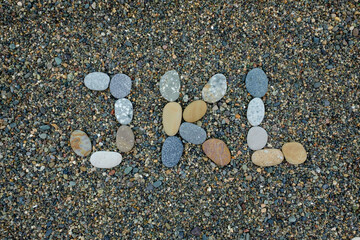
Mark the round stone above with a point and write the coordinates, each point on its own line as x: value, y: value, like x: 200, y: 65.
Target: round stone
x: 97, y: 81
x: 120, y: 85
x: 80, y: 143
x: 172, y: 115
x: 215, y: 89
x: 195, y: 111
x: 171, y: 151
x: 123, y: 111
x: 125, y: 138
x: 267, y: 157
x: 217, y: 151
x: 294, y: 152
x: 256, y: 82
x: 104, y: 159
x: 255, y: 111
x: 170, y: 85
x: 257, y: 138
x: 192, y: 133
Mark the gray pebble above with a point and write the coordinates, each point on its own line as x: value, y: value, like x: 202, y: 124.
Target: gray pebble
x: 255, y: 111
x: 170, y: 85
x: 157, y: 184
x: 43, y: 136
x: 123, y: 111
x: 257, y: 82
x: 44, y: 127
x: 127, y: 170
x: 257, y: 138
x: 171, y: 151
x: 97, y: 81
x: 120, y: 85
x: 192, y: 133
x: 58, y: 60
x: 292, y: 219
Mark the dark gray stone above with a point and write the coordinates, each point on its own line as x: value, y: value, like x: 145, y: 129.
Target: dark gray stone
x: 192, y: 133
x: 257, y: 82
x: 171, y: 151
x: 120, y: 85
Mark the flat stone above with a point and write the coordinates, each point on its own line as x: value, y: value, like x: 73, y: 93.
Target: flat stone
x: 157, y: 184
x: 294, y: 152
x: 171, y: 151
x: 215, y: 89
x: 58, y: 60
x: 267, y: 157
x: 257, y: 82
x: 172, y: 115
x: 80, y: 143
x: 120, y: 85
x: 195, y: 111
x: 97, y: 81
x: 125, y: 138
x: 192, y: 133
x: 255, y: 111
x: 105, y: 159
x: 217, y: 151
x: 170, y: 85
x: 123, y: 111
x: 257, y: 138
x: 128, y: 170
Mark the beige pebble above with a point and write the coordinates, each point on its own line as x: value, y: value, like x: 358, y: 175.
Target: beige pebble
x: 294, y: 152
x: 267, y: 157
x: 172, y: 115
x: 195, y: 111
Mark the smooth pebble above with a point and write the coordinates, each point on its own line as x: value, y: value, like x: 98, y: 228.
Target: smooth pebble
x: 80, y: 143
x: 192, y: 133
x: 257, y: 138
x: 215, y: 89
x: 217, y: 151
x: 125, y: 138
x: 267, y: 157
x: 195, y: 111
x: 120, y: 85
x: 170, y: 85
x: 172, y: 114
x: 105, y: 159
x: 171, y: 151
x: 97, y: 81
x: 294, y: 152
x: 255, y: 111
x: 123, y: 111
x: 257, y: 82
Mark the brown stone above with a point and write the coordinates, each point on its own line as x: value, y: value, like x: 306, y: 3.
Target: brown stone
x: 217, y: 151
x: 195, y: 111
x: 294, y: 152
x: 80, y: 143
x: 125, y: 138
x: 267, y: 157
x: 172, y: 115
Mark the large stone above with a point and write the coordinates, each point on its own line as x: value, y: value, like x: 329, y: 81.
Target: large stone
x: 120, y: 85
x: 195, y: 111
x: 80, y: 143
x: 257, y: 138
x: 192, y: 133
x: 170, y: 85
x: 171, y: 151
x: 215, y: 89
x: 217, y: 151
x: 104, y: 159
x: 255, y: 111
x: 172, y: 115
x: 294, y: 152
x: 125, y: 138
x: 256, y: 82
x: 123, y: 111
x: 267, y: 157
x: 97, y: 81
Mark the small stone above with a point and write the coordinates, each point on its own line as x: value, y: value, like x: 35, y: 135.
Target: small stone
x: 44, y: 127
x: 58, y: 60
x: 215, y: 89
x: 355, y: 32
x: 294, y: 152
x: 192, y: 133
x: 170, y: 85
x: 195, y: 111
x: 267, y: 157
x: 317, y: 85
x: 120, y: 85
x: 172, y: 115
x: 97, y: 81
x: 104, y: 159
x: 257, y: 138
x: 12, y: 46
x: 292, y: 219
x: 171, y: 151
x: 43, y: 136
x: 257, y: 82
x: 217, y: 151
x: 80, y: 143
x: 196, y: 231
x: 255, y: 111
x: 157, y: 184
x: 125, y: 138
x: 123, y: 111
x: 128, y: 170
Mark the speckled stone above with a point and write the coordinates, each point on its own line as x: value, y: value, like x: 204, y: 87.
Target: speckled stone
x: 120, y: 85
x: 125, y: 138
x: 171, y: 151
x: 267, y: 157
x: 80, y: 143
x: 123, y: 111
x: 172, y: 115
x: 105, y: 159
x: 256, y: 82
x: 97, y: 81
x: 257, y: 138
x: 195, y: 111
x: 294, y: 152
x: 170, y: 85
x: 215, y: 89
x: 217, y: 151
x: 255, y: 111
x: 192, y: 133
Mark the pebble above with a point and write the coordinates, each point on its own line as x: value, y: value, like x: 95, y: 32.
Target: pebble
x: 292, y: 219
x: 58, y: 60
x: 215, y: 89
x: 217, y: 151
x: 294, y: 152
x: 255, y: 111
x: 97, y: 81
x: 44, y: 127
x: 43, y: 136
x: 80, y: 143
x: 267, y: 157
x: 170, y: 85
x: 192, y: 133
x: 125, y: 138
x: 195, y: 111
x: 256, y: 82
x: 257, y: 138
x: 172, y: 115
x: 157, y: 184
x: 105, y: 159
x: 171, y: 151
x: 120, y: 85
x: 123, y: 111
x: 128, y: 170
x: 355, y: 32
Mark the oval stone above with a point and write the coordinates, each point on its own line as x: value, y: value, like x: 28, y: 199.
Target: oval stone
x: 170, y: 85
x: 120, y: 85
x: 171, y: 151
x: 195, y: 111
x: 294, y: 152
x: 267, y: 157
x: 215, y: 89
x: 217, y: 151
x: 125, y: 138
x: 256, y: 82
x: 80, y: 143
x: 105, y: 159
x: 255, y: 111
x: 257, y: 138
x: 97, y: 81
x: 192, y: 133
x: 123, y: 111
x: 172, y: 115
